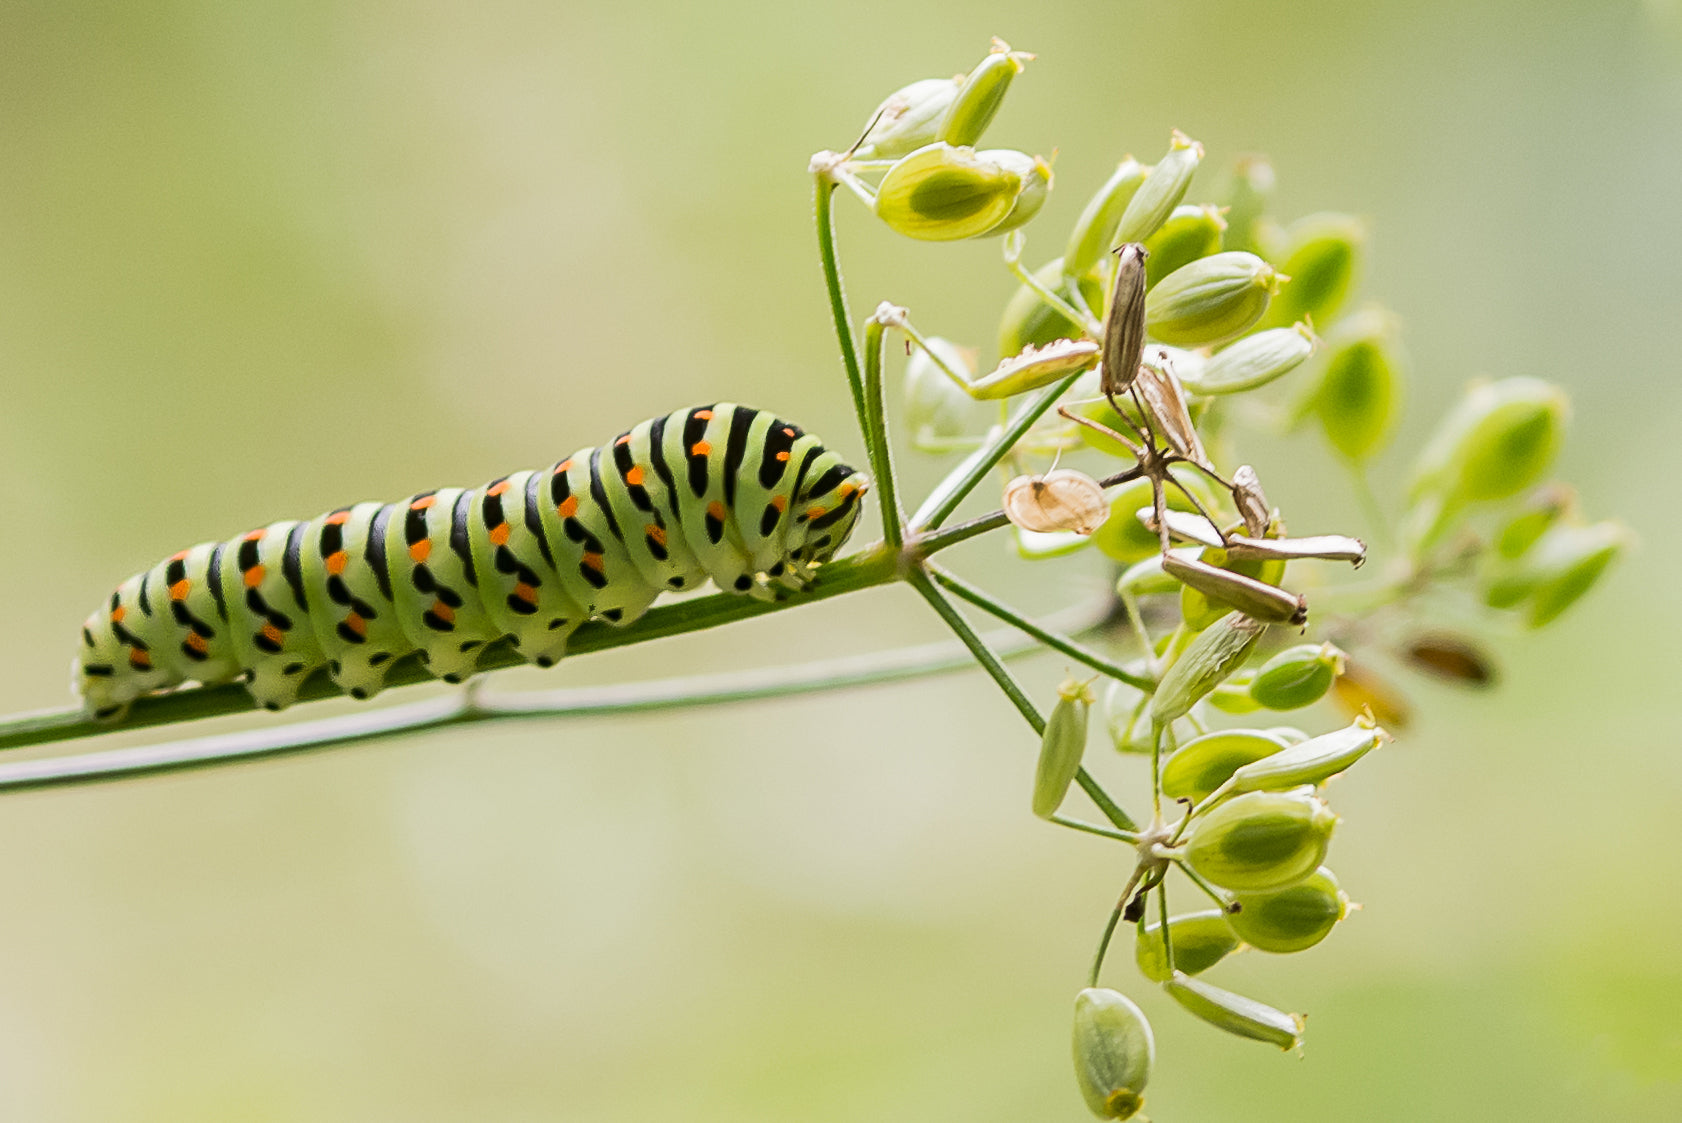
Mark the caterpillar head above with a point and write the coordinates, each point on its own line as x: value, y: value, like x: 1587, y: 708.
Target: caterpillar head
x: 826, y: 509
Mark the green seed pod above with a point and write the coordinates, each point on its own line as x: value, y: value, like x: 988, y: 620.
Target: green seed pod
x: 1161, y: 192
x: 1215, y: 654
x: 1289, y: 734
x: 1541, y: 509
x: 908, y: 119
x: 1210, y: 301
x: 1236, y: 1014
x: 1062, y: 747
x: 1094, y: 231
x: 1566, y: 564
x: 1261, y: 840
x: 1201, y: 940
x: 1297, y: 677
x: 1247, y: 226
x: 1114, y: 1051
x: 1496, y: 442
x: 1357, y: 397
x: 1321, y: 255
x: 941, y: 193
x: 1258, y: 599
x: 980, y: 95
x: 1191, y: 232
x: 1287, y: 920
x: 1254, y: 361
x: 1233, y: 695
x: 937, y: 408
x: 1036, y: 185
x: 1204, y: 763
x: 1314, y: 761
x: 1036, y: 367
x: 1029, y: 321
x: 1143, y: 578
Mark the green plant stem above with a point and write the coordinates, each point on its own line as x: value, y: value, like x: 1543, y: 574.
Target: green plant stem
x: 1162, y: 917
x: 1198, y: 880
x: 1087, y: 322
x: 471, y: 706
x: 875, y: 424
x: 1056, y: 642
x: 990, y: 663
x: 1094, y: 828
x: 838, y: 294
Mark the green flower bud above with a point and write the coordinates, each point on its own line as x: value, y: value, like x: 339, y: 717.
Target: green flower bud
x: 1036, y: 367
x: 1236, y: 1014
x: 1321, y: 254
x: 1029, y: 321
x: 941, y: 193
x: 1162, y: 190
x: 1247, y: 225
x: 1358, y: 395
x: 1036, y: 185
x: 1254, y: 361
x: 1095, y: 230
x: 1498, y: 441
x: 1061, y: 747
x: 908, y: 119
x: 1262, y: 839
x: 981, y: 94
x: 1204, y: 763
x: 1210, y: 301
x: 1297, y: 677
x: 1191, y: 232
x: 1201, y: 940
x: 1566, y: 564
x: 1294, y: 919
x: 1541, y: 510
x: 1215, y: 654
x: 1114, y: 1051
x: 1126, y: 719
x: 1314, y: 761
x: 936, y: 407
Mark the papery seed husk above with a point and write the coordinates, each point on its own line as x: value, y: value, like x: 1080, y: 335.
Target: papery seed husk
x: 1063, y: 499
x: 1267, y: 603
x: 1159, y: 389
x: 1451, y: 658
x: 1252, y: 504
x: 1036, y: 367
x: 1328, y: 547
x: 1124, y: 326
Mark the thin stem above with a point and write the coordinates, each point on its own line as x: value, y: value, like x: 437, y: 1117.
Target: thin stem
x: 1104, y: 942
x: 838, y: 294
x: 1162, y: 915
x: 875, y: 423
x: 1087, y: 322
x: 1094, y: 828
x: 470, y: 707
x: 936, y: 541
x: 1073, y: 650
x: 953, y: 490
x: 1198, y: 880
x: 1370, y: 506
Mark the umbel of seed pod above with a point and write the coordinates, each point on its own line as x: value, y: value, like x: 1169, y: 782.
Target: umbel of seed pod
x: 1261, y: 840
x: 1114, y: 1051
x: 1063, y: 499
x: 942, y: 192
x: 1288, y: 920
x: 1061, y: 747
x: 1212, y: 300
x: 1201, y: 940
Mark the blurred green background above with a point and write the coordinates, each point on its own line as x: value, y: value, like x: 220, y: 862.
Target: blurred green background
x: 257, y: 260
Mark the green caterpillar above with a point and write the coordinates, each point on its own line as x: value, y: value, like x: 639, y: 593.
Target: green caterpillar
x: 722, y: 492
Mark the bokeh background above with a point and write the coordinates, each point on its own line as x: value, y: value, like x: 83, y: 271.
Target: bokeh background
x: 260, y: 259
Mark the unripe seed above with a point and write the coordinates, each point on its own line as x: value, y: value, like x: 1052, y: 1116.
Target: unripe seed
x: 1114, y: 1051
x: 1236, y: 1014
x: 1061, y: 747
x: 942, y: 193
x: 908, y: 119
x: 1215, y: 654
x: 1262, y: 839
x: 1063, y: 499
x: 1542, y: 509
x: 1201, y: 940
x: 981, y: 94
x: 1254, y: 361
x: 1095, y: 231
x: 1162, y: 190
x: 1297, y: 677
x: 1498, y: 441
x: 1191, y: 232
x: 1314, y: 761
x: 1357, y: 398
x: 1568, y: 561
x: 1288, y: 920
x: 1210, y: 301
x: 1321, y: 255
x: 1204, y: 763
x: 1036, y: 367
x: 1029, y: 321
x: 1036, y: 185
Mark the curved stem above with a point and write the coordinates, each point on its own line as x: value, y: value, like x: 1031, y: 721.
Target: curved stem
x: 875, y: 422
x: 824, y: 203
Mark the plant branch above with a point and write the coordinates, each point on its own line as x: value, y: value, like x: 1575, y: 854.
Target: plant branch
x: 838, y: 298
x: 875, y: 424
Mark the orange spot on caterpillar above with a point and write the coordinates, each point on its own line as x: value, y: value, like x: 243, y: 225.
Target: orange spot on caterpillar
x: 253, y: 535
x: 624, y: 439
x: 444, y: 612
x: 655, y: 534
x: 595, y: 562
x: 254, y: 576
x: 274, y: 635
x: 355, y: 623
x: 496, y: 489
x: 139, y: 660
x: 197, y: 642
x: 788, y: 432
x: 782, y: 457
x: 563, y: 466
x: 847, y: 490
x: 704, y: 414
x: 179, y: 590
x: 634, y: 476
x: 337, y: 561
x: 814, y: 512
x: 499, y: 534
x: 338, y: 518
x: 700, y: 448
x: 423, y: 503
x: 118, y: 613
x: 568, y: 508
x: 421, y: 550
x: 179, y: 556
x: 526, y: 593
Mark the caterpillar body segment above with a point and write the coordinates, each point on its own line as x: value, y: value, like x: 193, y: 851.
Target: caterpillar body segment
x: 720, y: 492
